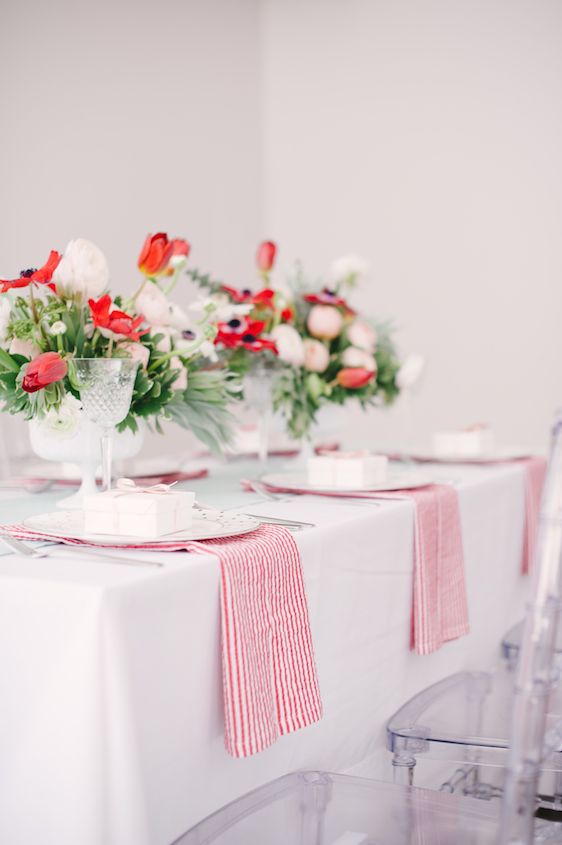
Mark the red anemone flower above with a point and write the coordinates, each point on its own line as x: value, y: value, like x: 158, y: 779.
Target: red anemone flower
x: 245, y: 334
x: 329, y: 297
x: 116, y: 322
x: 42, y: 276
x: 43, y: 371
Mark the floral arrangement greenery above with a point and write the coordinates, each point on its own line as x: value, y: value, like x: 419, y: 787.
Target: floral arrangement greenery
x: 63, y: 310
x: 320, y: 350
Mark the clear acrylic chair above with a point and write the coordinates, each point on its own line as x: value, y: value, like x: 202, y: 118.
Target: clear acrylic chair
x: 511, y: 645
x: 316, y: 808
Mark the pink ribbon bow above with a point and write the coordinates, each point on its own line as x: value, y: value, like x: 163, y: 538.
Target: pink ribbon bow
x: 127, y: 485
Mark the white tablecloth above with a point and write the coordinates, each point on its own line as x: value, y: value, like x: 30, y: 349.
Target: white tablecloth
x: 111, y: 730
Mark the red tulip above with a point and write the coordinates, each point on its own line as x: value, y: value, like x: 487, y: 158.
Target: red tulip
x: 44, y: 370
x: 265, y: 257
x: 157, y: 252
x: 180, y: 247
x: 115, y: 322
x: 354, y: 377
x: 42, y: 276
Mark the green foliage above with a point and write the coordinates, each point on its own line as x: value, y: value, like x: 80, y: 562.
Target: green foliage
x: 204, y: 281
x: 203, y: 407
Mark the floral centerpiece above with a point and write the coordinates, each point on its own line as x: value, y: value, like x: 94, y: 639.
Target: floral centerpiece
x: 64, y: 310
x: 319, y: 349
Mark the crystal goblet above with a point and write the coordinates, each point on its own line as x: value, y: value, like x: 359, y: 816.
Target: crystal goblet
x: 106, y: 390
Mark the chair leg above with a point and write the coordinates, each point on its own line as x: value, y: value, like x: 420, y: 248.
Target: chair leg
x: 403, y: 766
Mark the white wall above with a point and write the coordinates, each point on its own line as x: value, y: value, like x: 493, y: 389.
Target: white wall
x: 124, y: 117
x: 118, y: 118
x: 426, y: 136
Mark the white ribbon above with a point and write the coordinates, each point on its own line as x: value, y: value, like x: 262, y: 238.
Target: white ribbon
x: 125, y: 486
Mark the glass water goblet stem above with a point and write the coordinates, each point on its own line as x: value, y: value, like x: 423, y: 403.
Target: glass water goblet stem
x: 106, y: 457
x: 264, y: 425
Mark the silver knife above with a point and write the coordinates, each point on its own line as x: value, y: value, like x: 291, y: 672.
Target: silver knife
x: 21, y: 548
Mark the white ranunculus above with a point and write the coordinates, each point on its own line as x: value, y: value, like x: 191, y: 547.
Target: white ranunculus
x: 289, y: 345
x: 362, y: 335
x: 348, y: 266
x: 410, y: 371
x: 24, y: 347
x: 324, y: 321
x: 316, y: 356
x: 58, y: 328
x: 178, y: 318
x: 153, y: 304
x: 65, y: 419
x: 223, y: 309
x: 5, y: 312
x: 165, y: 342
x: 354, y: 357
x: 82, y: 270
x: 209, y: 350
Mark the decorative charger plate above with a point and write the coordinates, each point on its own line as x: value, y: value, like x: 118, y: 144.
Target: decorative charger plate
x: 206, y: 526
x: 497, y: 455
x: 297, y: 482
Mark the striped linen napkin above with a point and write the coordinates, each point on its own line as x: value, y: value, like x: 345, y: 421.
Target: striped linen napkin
x: 270, y: 685
x: 535, y: 473
x: 439, y: 602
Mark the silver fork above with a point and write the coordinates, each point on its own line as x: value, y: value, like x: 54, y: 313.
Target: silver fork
x: 22, y: 549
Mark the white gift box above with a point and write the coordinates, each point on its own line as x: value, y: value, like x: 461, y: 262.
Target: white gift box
x: 141, y: 512
x: 470, y: 443
x: 348, y: 470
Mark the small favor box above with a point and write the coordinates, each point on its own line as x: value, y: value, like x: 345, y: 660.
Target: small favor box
x: 139, y: 513
x: 347, y: 470
x: 468, y: 443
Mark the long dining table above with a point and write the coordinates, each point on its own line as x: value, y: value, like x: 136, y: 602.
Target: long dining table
x: 110, y: 674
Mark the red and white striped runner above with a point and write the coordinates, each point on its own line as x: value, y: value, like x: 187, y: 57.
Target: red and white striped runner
x: 270, y: 686
x: 535, y: 473
x: 270, y: 683
x: 439, y: 602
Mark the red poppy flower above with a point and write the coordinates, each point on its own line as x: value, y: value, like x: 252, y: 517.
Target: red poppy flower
x: 157, y: 252
x: 328, y: 297
x: 238, y: 296
x: 44, y: 370
x: 287, y: 315
x: 354, y: 377
x: 265, y: 256
x: 247, y: 296
x: 264, y: 297
x: 116, y: 322
x: 244, y: 334
x: 42, y: 276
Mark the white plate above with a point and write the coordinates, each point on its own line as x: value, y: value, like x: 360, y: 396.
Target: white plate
x: 211, y: 527
x: 131, y: 467
x: 298, y: 482
x: 506, y: 454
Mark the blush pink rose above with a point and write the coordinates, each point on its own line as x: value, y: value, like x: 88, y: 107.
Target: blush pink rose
x: 354, y: 357
x: 181, y: 381
x: 362, y: 335
x: 316, y: 356
x: 325, y: 322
